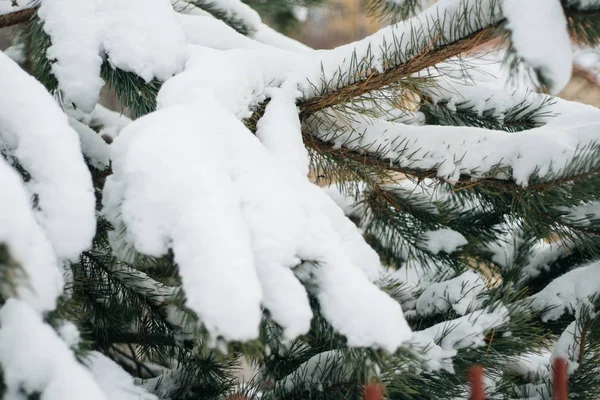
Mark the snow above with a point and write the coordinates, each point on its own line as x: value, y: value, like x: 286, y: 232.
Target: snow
x: 459, y: 294
x: 543, y: 254
x: 142, y: 36
x: 441, y: 341
x: 446, y: 240
x: 568, y: 292
x: 34, y: 359
x: 568, y: 346
x: 139, y: 36
x: 238, y: 219
x: 269, y: 36
x: 77, y: 59
x: 210, y: 32
x: 92, y: 145
x: 543, y: 42
x: 280, y: 132
x: 48, y: 148
x: 532, y: 366
x: 110, y: 122
x: 235, y: 9
x: 10, y: 6
x: 69, y: 333
x: 234, y: 88
x: 474, y: 151
x: 171, y: 188
x: 27, y: 244
x: 113, y: 380
x: 321, y: 370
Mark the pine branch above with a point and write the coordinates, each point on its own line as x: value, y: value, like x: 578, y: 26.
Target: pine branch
x: 17, y: 17
x: 428, y: 57
x: 580, y: 27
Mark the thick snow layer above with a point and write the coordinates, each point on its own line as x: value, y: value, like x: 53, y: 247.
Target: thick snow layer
x: 446, y: 240
x: 234, y: 88
x: 16, y: 53
x: 459, y: 294
x: 48, y: 148
x: 568, y: 292
x: 34, y: 359
x: 210, y: 32
x: 142, y: 36
x: 75, y: 48
x: 238, y: 220
x: 27, y: 244
x: 171, y: 188
x: 475, y: 151
x: 139, y: 36
x: 544, y: 41
x: 113, y: 380
x: 280, y: 132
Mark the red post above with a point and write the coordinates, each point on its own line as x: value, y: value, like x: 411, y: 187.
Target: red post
x: 374, y: 391
x: 476, y: 379
x: 560, y: 381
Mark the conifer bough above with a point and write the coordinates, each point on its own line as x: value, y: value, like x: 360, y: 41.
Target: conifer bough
x: 145, y: 251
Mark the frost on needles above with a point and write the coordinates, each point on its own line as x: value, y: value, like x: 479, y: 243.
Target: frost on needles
x: 394, y: 210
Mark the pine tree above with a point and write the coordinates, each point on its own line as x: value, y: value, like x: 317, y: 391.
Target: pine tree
x: 144, y: 251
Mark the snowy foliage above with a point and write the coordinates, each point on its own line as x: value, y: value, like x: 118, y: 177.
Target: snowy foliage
x: 463, y: 215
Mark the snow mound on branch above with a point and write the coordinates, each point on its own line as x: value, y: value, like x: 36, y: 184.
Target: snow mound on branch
x: 35, y: 359
x: 141, y: 36
x: 280, y: 132
x: 544, y: 41
x: 193, y: 178
x: 459, y: 294
x: 114, y: 381
x: 27, y: 244
x: 446, y: 240
x: 569, y: 292
x: 441, y: 341
x: 455, y: 150
x: 49, y: 150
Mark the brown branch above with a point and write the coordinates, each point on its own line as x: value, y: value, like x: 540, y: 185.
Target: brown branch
x: 376, y: 80
x: 17, y: 17
x: 464, y: 182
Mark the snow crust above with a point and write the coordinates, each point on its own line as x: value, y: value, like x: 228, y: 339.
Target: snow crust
x: 49, y: 149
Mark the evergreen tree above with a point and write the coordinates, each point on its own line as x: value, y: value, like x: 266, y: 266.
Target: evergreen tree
x: 142, y: 257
